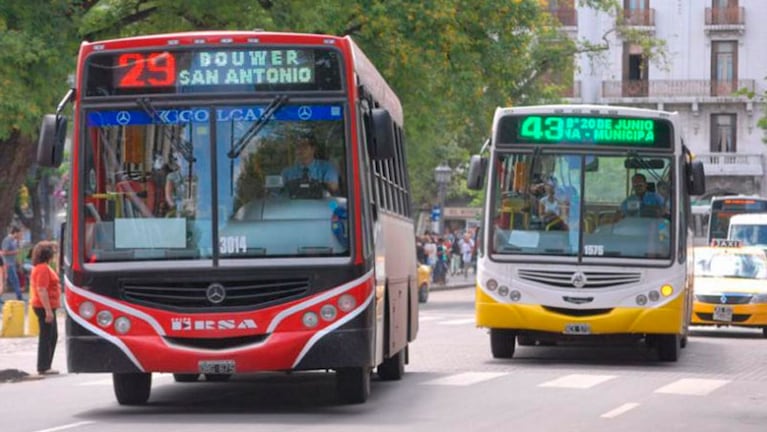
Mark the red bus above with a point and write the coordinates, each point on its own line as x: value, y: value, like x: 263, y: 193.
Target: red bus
x: 239, y: 203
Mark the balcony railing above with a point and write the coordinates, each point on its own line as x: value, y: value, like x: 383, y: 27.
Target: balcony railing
x: 639, y: 17
x: 731, y: 164
x: 567, y: 16
x: 726, y: 16
x: 675, y: 88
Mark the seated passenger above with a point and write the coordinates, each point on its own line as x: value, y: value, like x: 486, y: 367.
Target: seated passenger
x: 551, y: 210
x: 307, y: 168
x: 642, y: 203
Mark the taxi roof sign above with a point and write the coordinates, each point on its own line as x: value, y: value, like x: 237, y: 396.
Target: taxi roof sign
x: 725, y: 243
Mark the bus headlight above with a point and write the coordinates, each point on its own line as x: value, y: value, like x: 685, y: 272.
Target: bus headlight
x: 328, y: 312
x: 87, y: 310
x: 515, y: 295
x: 122, y: 325
x: 104, y: 318
x: 310, y: 320
x: 641, y: 299
x: 503, y: 290
x: 492, y: 284
x: 346, y: 302
x: 653, y: 296
x: 666, y: 290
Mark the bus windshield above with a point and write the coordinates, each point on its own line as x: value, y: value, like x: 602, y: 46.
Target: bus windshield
x: 570, y: 204
x: 157, y: 176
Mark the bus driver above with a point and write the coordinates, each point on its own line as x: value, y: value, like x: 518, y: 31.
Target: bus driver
x: 642, y: 203
x: 307, y: 167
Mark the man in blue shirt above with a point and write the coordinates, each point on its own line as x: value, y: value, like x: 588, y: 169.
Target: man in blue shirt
x: 10, y: 251
x: 642, y: 203
x: 308, y: 168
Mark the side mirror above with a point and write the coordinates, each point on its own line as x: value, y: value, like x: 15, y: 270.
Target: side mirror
x: 696, y: 178
x: 477, y: 168
x: 50, y: 146
x: 381, y: 140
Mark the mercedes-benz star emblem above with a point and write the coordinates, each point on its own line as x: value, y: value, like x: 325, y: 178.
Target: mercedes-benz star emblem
x: 216, y: 293
x: 123, y: 118
x: 578, y: 279
x: 304, y: 112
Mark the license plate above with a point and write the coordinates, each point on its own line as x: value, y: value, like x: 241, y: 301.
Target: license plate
x: 722, y: 313
x: 217, y: 367
x: 578, y: 329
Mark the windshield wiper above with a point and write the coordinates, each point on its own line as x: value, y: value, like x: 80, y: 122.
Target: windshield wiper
x: 257, y: 125
x: 177, y: 142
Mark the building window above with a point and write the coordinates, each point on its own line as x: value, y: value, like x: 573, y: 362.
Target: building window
x: 637, y: 12
x: 723, y: 139
x: 635, y: 79
x: 724, y: 67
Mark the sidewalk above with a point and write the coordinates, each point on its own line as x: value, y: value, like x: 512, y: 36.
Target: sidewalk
x: 455, y: 282
x: 18, y: 355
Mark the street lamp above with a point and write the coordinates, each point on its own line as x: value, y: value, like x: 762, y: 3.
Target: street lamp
x: 442, y: 174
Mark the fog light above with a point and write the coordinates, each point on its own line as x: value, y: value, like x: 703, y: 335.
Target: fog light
x: 328, y: 312
x: 503, y: 290
x: 641, y: 300
x: 492, y: 284
x: 653, y: 295
x: 87, y: 310
x: 515, y: 295
x: 310, y: 320
x: 666, y: 290
x: 104, y: 318
x: 347, y: 302
x: 122, y: 325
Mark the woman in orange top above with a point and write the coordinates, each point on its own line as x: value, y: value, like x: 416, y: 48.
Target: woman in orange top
x: 45, y: 282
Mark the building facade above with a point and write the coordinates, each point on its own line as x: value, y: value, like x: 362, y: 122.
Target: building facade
x: 717, y: 49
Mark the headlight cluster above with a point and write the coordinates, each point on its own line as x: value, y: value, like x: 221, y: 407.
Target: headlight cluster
x: 329, y: 312
x: 503, y: 290
x: 104, y: 318
x: 654, y: 295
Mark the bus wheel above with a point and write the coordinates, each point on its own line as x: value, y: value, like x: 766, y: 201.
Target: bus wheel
x: 668, y: 347
x: 353, y: 384
x: 217, y: 377
x: 423, y: 293
x: 185, y: 378
x: 502, y: 343
x: 525, y: 340
x: 393, y: 368
x: 132, y: 388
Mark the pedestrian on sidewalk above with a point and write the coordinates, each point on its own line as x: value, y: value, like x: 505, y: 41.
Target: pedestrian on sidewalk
x: 45, y: 282
x: 10, y: 253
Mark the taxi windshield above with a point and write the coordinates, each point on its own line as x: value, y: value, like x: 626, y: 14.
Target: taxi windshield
x: 730, y: 265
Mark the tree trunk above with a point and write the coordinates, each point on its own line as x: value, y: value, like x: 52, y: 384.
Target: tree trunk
x: 17, y: 154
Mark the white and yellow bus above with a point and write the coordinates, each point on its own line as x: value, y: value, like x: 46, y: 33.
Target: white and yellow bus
x: 585, y: 227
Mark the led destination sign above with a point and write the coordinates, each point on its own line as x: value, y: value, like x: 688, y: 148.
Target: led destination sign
x: 574, y: 129
x: 195, y: 70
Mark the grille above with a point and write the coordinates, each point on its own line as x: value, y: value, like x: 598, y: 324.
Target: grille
x: 192, y: 294
x: 217, y: 344
x: 593, y: 279
x: 578, y: 312
x: 731, y: 299
x: 710, y: 317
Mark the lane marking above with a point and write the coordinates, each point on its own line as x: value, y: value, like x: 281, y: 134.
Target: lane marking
x: 578, y: 381
x: 466, y: 378
x: 692, y: 386
x: 620, y: 410
x: 458, y: 321
x: 66, y: 426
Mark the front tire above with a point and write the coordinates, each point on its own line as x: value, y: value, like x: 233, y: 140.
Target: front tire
x: 668, y: 347
x: 132, y: 388
x: 502, y: 343
x: 393, y: 368
x: 353, y: 384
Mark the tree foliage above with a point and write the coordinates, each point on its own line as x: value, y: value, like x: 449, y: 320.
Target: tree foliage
x: 452, y: 62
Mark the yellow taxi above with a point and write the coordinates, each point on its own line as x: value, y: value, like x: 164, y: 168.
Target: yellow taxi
x: 424, y: 282
x: 730, y: 286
